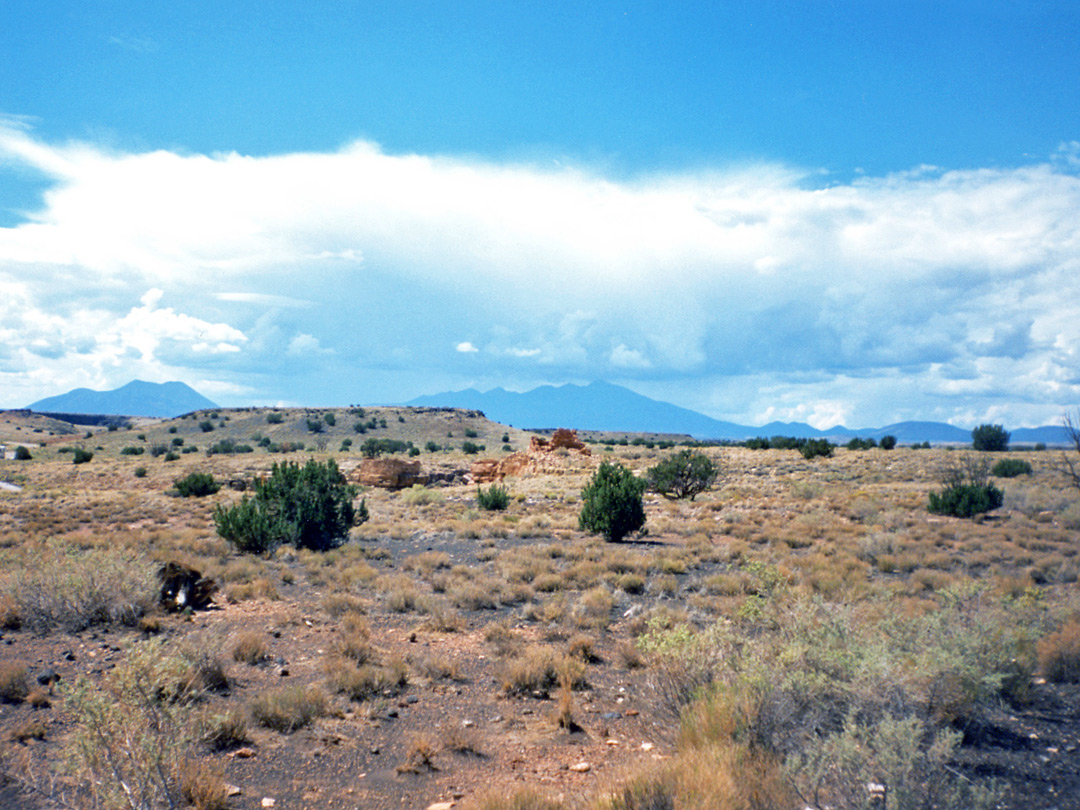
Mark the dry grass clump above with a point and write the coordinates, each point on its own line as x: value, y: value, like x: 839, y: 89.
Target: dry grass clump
x: 461, y: 740
x: 28, y: 730
x: 419, y: 755
x: 288, y: 708
x: 14, y: 682
x: 56, y: 585
x: 260, y: 589
x: 520, y: 799
x: 202, y: 785
x: 223, y: 730
x: 366, y: 681
x: 250, y: 648
x: 1059, y: 654
x: 538, y: 670
x: 336, y: 604
x: 437, y: 667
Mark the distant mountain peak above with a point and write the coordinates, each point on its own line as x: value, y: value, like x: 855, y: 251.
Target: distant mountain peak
x: 136, y: 398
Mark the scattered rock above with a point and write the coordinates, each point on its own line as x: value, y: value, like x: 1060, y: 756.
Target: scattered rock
x: 581, y: 767
x: 440, y: 806
x: 268, y: 802
x: 611, y: 742
x: 647, y: 746
x: 47, y: 676
x: 232, y: 790
x: 243, y: 753
x: 611, y: 716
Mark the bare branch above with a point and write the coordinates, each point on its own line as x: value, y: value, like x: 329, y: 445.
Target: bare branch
x: 1069, y: 462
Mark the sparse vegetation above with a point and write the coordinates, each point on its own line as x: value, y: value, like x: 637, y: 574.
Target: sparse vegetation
x: 804, y: 632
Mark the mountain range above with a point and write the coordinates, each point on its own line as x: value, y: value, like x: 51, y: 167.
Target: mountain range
x: 609, y: 407
x: 137, y: 398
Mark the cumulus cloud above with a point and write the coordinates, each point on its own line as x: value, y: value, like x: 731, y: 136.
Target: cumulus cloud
x: 962, y: 281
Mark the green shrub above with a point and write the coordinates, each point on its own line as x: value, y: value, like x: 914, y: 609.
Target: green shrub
x: 683, y: 475
x: 307, y: 507
x: 858, y: 443
x: 414, y: 451
x: 816, y: 447
x: 206, y: 426
x: 228, y: 447
x: 888, y: 442
x: 432, y: 447
x: 471, y: 449
x: 177, y: 441
x: 965, y: 491
x: 22, y: 454
x: 171, y: 456
x: 81, y: 456
x: 493, y: 499
x: 1010, y: 468
x: 275, y: 418
x: 132, y: 451
x: 314, y: 425
x: 612, y: 503
x: 140, y: 472
x: 196, y: 485
x: 330, y: 419
x: 966, y: 500
x: 470, y: 433
x: 990, y: 438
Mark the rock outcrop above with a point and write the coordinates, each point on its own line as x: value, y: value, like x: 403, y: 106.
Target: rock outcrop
x: 390, y: 473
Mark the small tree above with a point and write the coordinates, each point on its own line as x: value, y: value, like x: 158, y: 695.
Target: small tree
x: 683, y: 475
x: 887, y: 442
x: 22, y: 454
x: 612, y: 503
x: 81, y: 456
x: 990, y: 438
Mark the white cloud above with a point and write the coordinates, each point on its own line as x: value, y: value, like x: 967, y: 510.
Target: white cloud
x: 964, y: 282
x: 305, y: 344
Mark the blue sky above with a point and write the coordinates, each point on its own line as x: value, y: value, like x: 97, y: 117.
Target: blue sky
x: 830, y: 212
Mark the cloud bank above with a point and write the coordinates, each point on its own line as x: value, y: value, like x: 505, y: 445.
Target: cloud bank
x: 752, y: 293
